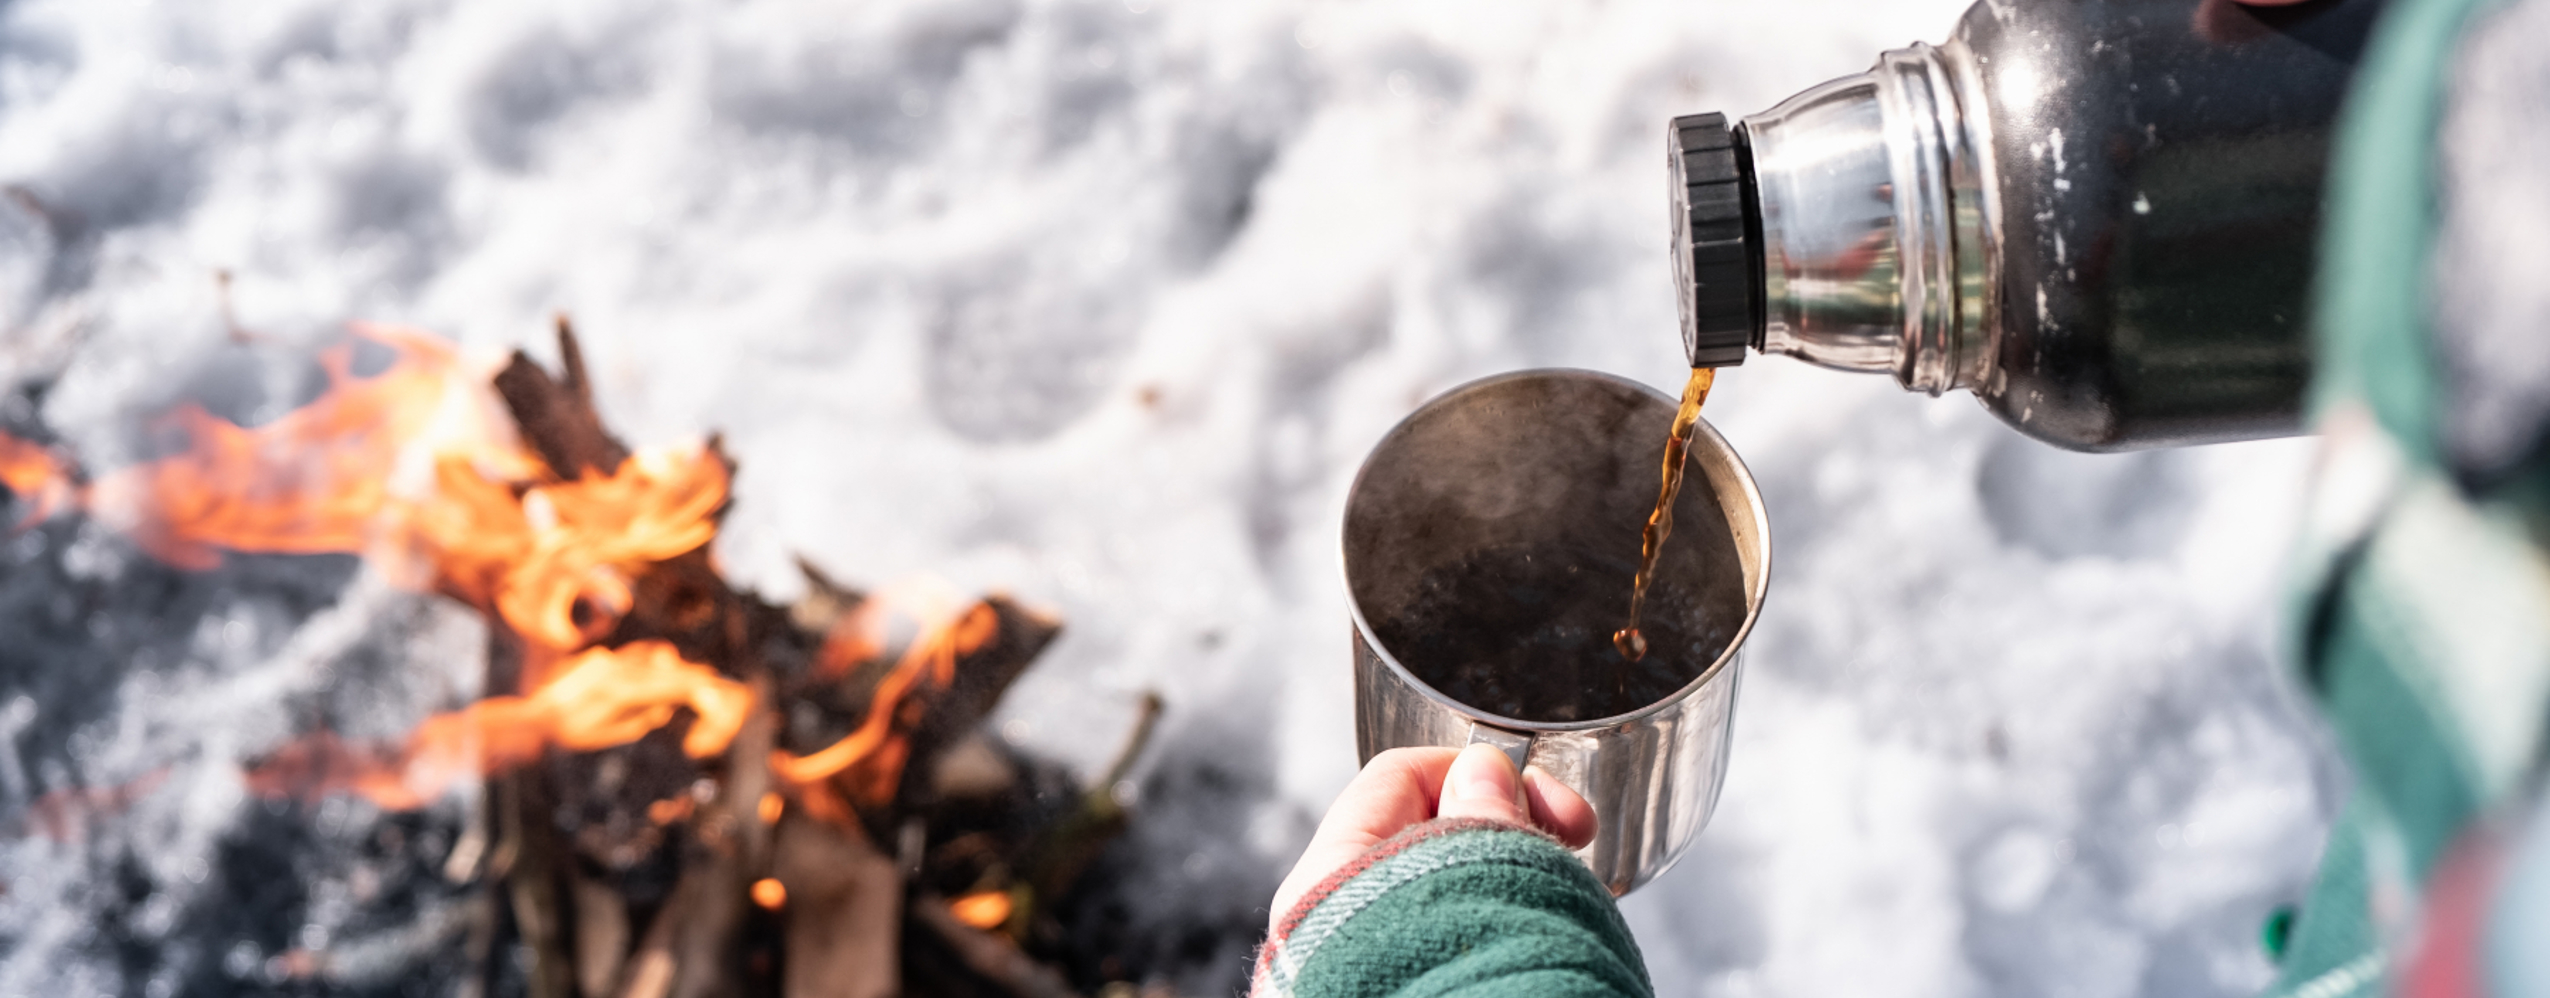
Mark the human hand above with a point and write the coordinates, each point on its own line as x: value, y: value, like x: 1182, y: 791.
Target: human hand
x: 1407, y: 786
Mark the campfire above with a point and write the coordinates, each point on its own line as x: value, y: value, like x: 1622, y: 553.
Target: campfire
x: 674, y: 787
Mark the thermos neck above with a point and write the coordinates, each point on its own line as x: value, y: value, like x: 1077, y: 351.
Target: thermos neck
x: 1870, y: 208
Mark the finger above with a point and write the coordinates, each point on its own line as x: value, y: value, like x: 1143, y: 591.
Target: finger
x: 1558, y: 808
x: 1482, y: 783
x: 1395, y: 790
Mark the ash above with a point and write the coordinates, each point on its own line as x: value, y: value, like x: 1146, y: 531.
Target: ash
x: 1100, y: 303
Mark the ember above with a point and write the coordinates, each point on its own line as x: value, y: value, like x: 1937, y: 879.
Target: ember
x: 706, y: 755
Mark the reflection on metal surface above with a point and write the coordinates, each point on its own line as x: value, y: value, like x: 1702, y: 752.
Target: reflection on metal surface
x: 1871, y: 262
x: 2100, y: 216
x: 1475, y: 466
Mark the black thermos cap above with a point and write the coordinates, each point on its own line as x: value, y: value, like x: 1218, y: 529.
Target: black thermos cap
x: 1717, y: 240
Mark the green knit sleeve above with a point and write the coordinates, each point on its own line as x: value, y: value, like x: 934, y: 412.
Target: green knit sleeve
x: 1468, y: 908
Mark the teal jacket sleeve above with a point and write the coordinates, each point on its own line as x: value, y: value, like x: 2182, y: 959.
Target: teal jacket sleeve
x: 2421, y: 615
x: 1455, y: 907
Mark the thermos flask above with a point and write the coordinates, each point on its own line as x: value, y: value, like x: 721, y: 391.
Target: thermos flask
x: 2098, y: 216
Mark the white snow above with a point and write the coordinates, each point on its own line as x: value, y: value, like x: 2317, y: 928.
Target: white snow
x: 1102, y: 303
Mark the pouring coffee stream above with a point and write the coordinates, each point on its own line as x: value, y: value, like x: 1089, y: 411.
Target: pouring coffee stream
x: 1631, y: 644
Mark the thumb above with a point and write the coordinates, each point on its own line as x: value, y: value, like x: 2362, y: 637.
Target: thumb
x: 1482, y: 784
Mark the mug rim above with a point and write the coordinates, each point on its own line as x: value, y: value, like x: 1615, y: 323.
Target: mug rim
x: 1757, y: 588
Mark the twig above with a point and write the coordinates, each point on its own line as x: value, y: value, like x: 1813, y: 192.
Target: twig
x: 1146, y: 718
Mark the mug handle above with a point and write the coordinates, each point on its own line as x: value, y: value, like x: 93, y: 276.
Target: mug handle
x: 1517, y: 745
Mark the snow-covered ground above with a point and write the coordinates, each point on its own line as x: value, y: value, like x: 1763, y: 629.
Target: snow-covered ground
x: 1101, y: 303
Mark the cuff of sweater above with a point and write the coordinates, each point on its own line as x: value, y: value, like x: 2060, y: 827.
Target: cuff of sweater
x: 1405, y: 858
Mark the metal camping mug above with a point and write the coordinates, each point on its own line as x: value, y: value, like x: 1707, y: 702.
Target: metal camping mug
x: 1557, y: 458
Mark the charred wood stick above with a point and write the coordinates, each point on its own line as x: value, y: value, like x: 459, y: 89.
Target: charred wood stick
x: 601, y: 936
x: 734, y: 848
x: 844, y: 911
x: 982, y: 677
x: 528, y: 864
x: 924, y: 722
x: 651, y: 968
x: 556, y: 414
x: 825, y: 601
x: 748, y: 781
x: 991, y: 957
x: 531, y: 882
x: 479, y: 946
x: 702, y: 947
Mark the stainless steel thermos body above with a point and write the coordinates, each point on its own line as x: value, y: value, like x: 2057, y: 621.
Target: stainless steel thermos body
x: 2099, y: 216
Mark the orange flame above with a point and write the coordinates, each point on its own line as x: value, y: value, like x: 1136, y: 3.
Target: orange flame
x: 552, y: 560
x: 536, y: 557
x: 985, y: 910
x: 314, y: 481
x: 599, y: 698
x: 872, y: 755
x: 37, y: 476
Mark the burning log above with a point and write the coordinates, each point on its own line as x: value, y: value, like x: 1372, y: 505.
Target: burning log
x: 679, y: 600
x: 686, y: 785
x: 794, y: 835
